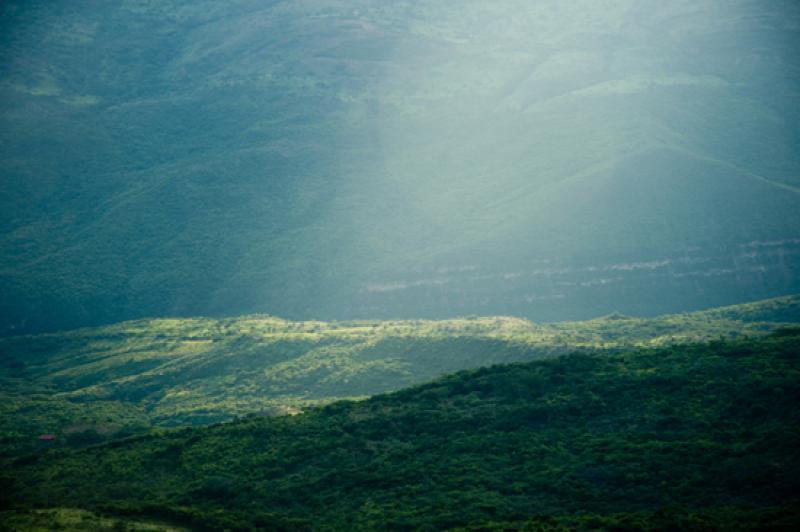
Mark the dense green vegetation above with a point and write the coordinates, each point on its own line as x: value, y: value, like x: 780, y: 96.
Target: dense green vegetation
x: 340, y: 159
x: 700, y: 436
x: 91, y: 384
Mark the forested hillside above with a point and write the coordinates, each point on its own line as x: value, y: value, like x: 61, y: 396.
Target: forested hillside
x: 691, y: 437
x: 365, y: 159
x: 89, y: 385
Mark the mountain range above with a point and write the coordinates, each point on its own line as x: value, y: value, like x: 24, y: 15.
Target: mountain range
x: 358, y: 159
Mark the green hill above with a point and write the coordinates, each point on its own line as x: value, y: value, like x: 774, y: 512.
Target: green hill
x: 88, y: 385
x: 691, y: 437
x: 349, y: 159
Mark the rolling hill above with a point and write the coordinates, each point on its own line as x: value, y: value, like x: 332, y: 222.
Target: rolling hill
x: 690, y: 437
x: 358, y: 159
x: 89, y: 385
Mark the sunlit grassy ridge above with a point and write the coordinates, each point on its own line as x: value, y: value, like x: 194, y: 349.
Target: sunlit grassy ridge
x: 687, y: 437
x: 89, y: 384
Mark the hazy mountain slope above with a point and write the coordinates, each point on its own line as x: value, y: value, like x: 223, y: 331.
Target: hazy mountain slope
x: 195, y: 151
x: 91, y: 384
x: 357, y: 159
x: 691, y: 437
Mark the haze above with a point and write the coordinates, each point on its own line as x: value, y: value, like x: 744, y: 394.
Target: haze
x: 365, y: 159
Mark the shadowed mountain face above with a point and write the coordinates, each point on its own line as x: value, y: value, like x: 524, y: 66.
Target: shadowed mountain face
x: 348, y: 159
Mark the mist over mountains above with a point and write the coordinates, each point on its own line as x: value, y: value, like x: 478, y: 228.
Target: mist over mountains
x: 353, y: 159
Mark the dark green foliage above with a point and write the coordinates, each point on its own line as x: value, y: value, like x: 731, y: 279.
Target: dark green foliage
x: 698, y: 437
